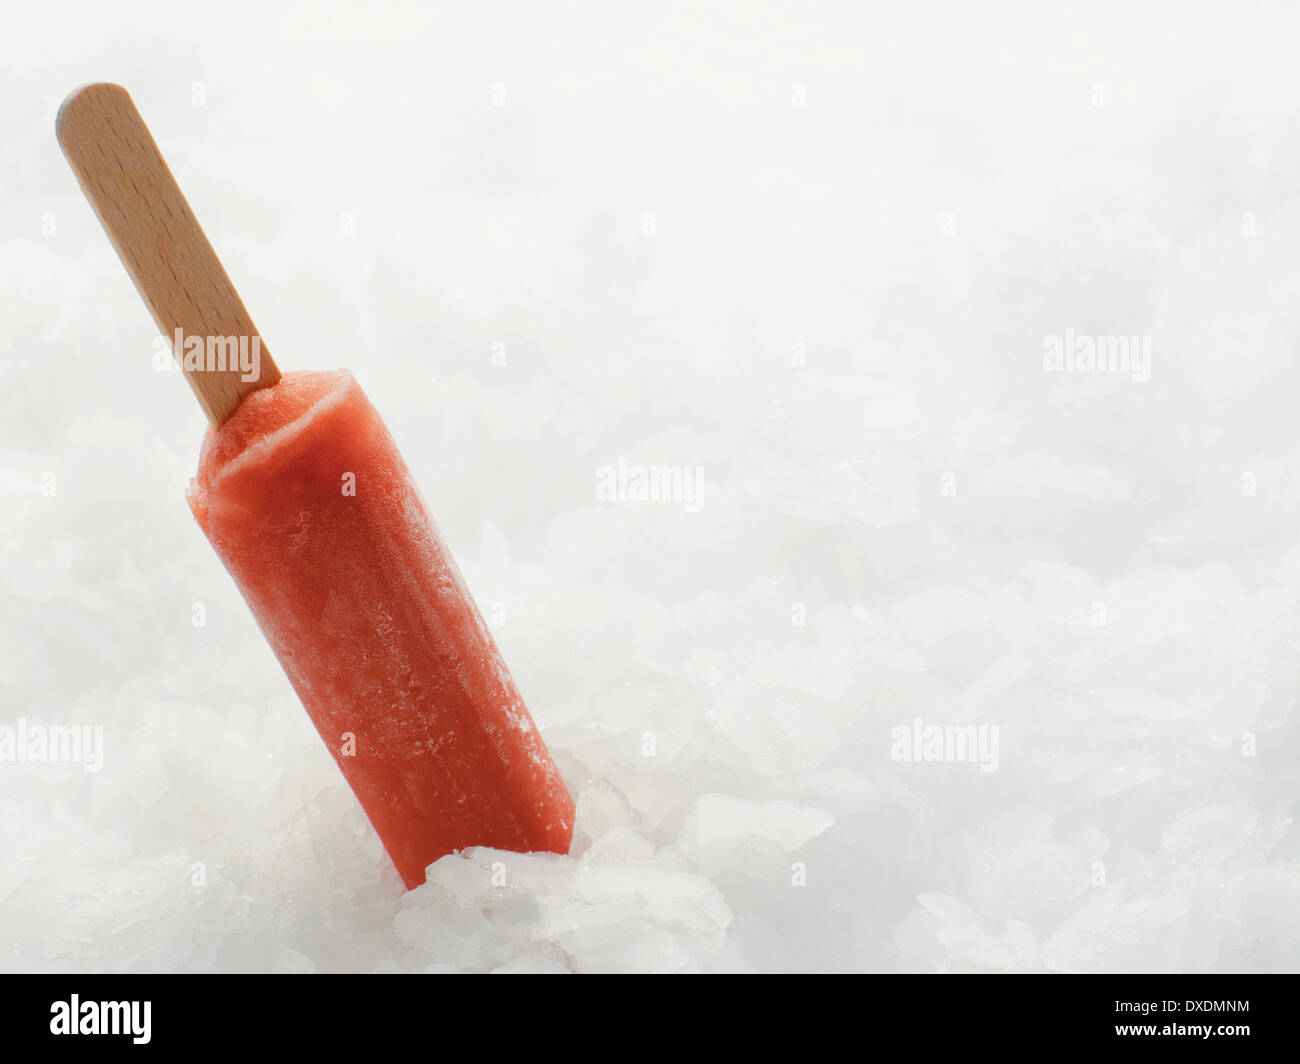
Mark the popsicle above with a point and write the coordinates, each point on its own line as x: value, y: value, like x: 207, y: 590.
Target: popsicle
x: 303, y: 494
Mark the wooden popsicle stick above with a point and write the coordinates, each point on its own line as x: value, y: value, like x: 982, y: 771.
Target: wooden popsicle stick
x: 163, y: 248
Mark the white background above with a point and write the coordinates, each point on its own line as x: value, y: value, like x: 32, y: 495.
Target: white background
x: 814, y: 248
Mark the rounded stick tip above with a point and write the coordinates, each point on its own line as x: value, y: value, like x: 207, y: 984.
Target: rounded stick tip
x: 90, y: 90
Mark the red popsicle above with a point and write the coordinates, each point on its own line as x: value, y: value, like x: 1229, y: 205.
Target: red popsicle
x: 305, y: 498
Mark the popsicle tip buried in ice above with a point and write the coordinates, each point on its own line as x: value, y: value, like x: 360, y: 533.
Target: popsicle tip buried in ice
x: 354, y: 590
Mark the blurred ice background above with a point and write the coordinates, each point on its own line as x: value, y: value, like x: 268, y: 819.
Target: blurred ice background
x: 813, y: 248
